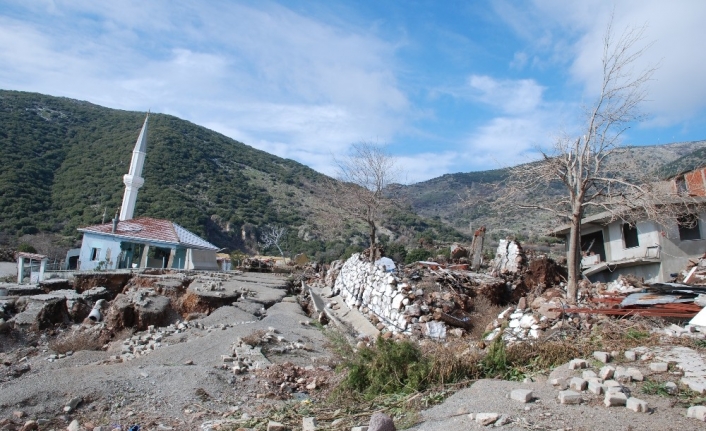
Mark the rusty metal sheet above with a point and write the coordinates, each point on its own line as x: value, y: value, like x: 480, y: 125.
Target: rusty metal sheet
x: 653, y: 299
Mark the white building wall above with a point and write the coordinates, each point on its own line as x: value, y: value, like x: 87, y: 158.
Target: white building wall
x: 648, y: 235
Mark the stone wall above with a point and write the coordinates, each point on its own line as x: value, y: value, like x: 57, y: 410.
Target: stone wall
x: 369, y: 288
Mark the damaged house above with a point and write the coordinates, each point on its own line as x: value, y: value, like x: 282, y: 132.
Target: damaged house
x: 143, y: 242
x: 647, y: 249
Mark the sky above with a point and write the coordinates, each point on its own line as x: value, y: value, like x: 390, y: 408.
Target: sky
x: 446, y: 86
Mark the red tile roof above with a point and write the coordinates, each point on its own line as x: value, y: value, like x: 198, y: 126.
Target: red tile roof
x: 152, y: 229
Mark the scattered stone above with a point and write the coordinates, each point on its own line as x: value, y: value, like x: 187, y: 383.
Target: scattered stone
x: 18, y: 414
x: 73, y: 426
x: 671, y: 388
x: 613, y: 399
x: 602, y: 356
x: 659, y: 367
x: 504, y: 420
x: 595, y: 387
x: 72, y: 404
x: 569, y: 397
x: 606, y: 372
x: 309, y: 424
x: 522, y: 395
x: 577, y: 364
x: 588, y: 375
x: 630, y: 355
x: 697, y: 412
x: 276, y: 426
x: 636, y: 405
x: 30, y: 426
x: 381, y: 422
x: 577, y: 384
x: 635, y: 374
x: 486, y: 419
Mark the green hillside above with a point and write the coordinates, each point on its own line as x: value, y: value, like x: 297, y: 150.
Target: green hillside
x: 460, y: 200
x: 63, y: 161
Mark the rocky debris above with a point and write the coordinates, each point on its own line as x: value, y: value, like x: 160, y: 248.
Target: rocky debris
x: 697, y: 412
x: 40, y: 311
x: 395, y: 304
x: 139, y: 308
x: 485, y: 419
x: 522, y: 395
x: 569, y: 397
x: 509, y: 257
x: 285, y: 380
x: 381, y: 422
x: 114, y: 282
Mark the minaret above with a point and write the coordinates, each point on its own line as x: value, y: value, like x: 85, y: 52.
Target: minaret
x: 133, y: 180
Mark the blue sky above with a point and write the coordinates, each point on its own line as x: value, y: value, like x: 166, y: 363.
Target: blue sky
x: 448, y: 86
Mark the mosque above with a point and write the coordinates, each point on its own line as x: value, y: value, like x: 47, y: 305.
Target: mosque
x: 144, y: 242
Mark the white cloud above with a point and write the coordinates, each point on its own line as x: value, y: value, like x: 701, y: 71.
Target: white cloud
x: 262, y: 74
x: 572, y: 32
x: 511, y: 96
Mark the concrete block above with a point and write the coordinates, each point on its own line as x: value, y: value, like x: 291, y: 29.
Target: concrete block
x: 606, y: 372
x: 635, y: 374
x: 696, y: 384
x: 630, y: 355
x: 659, y: 367
x: 275, y: 426
x: 602, y: 356
x: 588, y: 375
x: 595, y: 387
x: 309, y: 424
x: 612, y: 383
x: 569, y: 397
x: 636, y: 405
x: 578, y: 384
x: 486, y: 418
x: 522, y: 395
x: 577, y: 364
x: 613, y: 399
x: 621, y: 374
x: 697, y: 412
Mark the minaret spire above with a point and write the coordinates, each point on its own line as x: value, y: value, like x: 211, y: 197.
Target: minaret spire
x: 133, y: 180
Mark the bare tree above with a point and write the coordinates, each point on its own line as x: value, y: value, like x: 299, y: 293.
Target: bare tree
x: 587, y: 170
x: 363, y: 176
x: 273, y: 235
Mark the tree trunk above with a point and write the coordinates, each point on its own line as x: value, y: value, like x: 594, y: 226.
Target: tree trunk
x: 574, y: 258
x: 373, y: 230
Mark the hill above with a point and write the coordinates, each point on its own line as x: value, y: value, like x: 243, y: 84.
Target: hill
x: 445, y: 199
x: 63, y: 162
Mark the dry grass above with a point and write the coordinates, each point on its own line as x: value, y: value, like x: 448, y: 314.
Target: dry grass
x: 77, y: 340
x: 624, y: 334
x: 484, y: 312
x: 254, y: 338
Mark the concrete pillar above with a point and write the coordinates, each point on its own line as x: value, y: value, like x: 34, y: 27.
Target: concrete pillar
x: 145, y: 256
x: 20, y: 268
x: 42, y: 268
x: 172, y: 252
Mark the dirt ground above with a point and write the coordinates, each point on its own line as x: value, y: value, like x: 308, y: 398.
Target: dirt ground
x: 183, y: 385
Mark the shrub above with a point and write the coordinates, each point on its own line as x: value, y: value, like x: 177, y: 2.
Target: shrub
x: 388, y: 367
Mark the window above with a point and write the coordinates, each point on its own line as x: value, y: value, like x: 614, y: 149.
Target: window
x: 630, y: 236
x: 689, y: 227
x: 95, y: 253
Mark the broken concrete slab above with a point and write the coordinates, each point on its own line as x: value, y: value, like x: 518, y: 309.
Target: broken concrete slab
x: 40, y: 311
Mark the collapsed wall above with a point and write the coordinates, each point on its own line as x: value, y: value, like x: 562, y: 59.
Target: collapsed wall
x: 365, y: 285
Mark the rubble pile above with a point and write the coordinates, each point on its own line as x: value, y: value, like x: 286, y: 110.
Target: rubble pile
x: 286, y: 379
x: 433, y: 299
